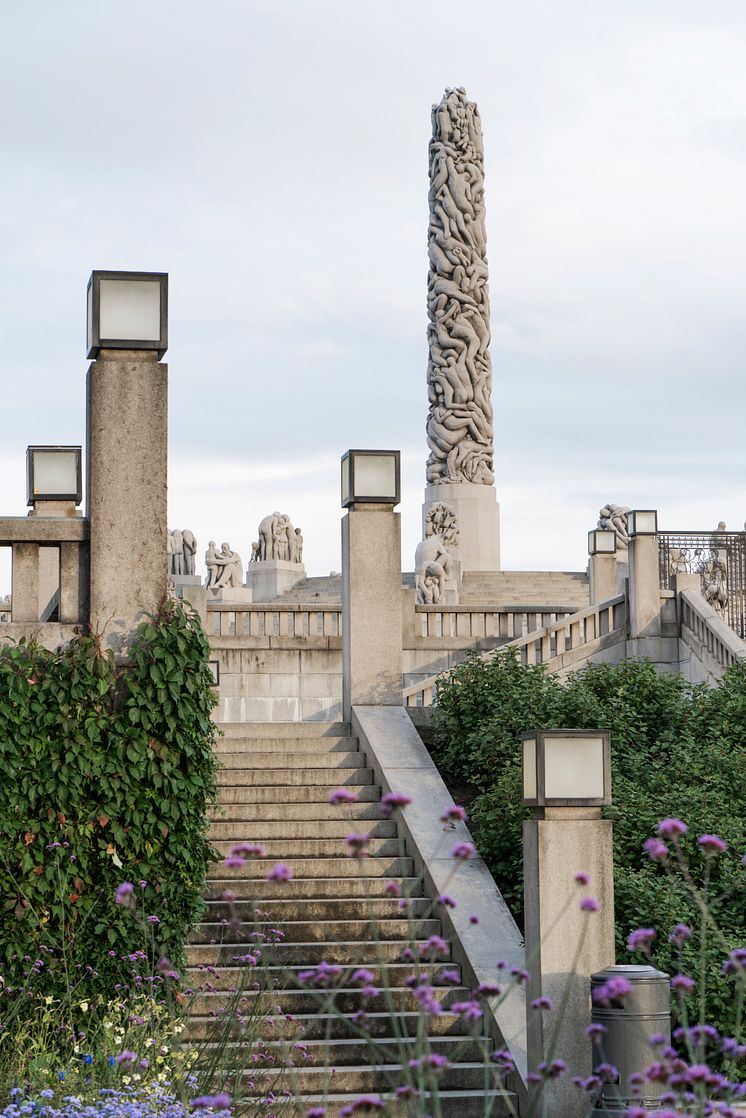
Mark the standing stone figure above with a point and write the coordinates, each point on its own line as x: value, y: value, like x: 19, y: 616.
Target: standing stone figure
x: 459, y: 373
x: 278, y: 540
x: 190, y: 551
x: 212, y: 565
x: 177, y: 552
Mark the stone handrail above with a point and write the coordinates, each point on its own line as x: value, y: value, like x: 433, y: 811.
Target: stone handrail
x: 502, y: 622
x: 265, y: 619
x: 704, y: 630
x: 572, y: 634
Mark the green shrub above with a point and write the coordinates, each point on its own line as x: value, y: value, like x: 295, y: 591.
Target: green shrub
x: 108, y: 770
x: 677, y: 751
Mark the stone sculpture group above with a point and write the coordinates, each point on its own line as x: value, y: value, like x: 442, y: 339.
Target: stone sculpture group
x: 277, y: 540
x: 224, y: 567
x: 613, y: 518
x: 181, y: 547
x: 434, y: 566
x: 459, y: 373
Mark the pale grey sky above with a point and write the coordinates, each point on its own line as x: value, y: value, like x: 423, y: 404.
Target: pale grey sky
x: 272, y: 157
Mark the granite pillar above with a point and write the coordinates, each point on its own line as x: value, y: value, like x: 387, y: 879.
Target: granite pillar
x: 371, y: 607
x: 127, y: 425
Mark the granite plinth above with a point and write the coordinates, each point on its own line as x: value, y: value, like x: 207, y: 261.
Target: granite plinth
x: 271, y: 578
x: 478, y: 516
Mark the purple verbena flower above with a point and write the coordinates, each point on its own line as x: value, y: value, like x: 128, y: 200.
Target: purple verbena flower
x: 446, y: 900
x: 392, y: 800
x: 583, y: 878
x: 656, y: 850
x: 682, y: 982
x: 463, y: 851
x: 249, y: 850
x: 233, y: 862
x: 342, y: 796
x: 641, y: 939
x: 712, y: 845
x: 589, y: 904
x: 679, y: 933
x: 453, y: 814
x: 123, y: 892
x: 357, y: 845
x: 280, y: 872
x: 542, y: 1003
x: 671, y: 828
x: 217, y: 1102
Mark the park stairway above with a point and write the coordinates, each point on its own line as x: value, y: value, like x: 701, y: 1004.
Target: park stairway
x: 326, y: 590
x: 274, y: 789
x: 510, y: 588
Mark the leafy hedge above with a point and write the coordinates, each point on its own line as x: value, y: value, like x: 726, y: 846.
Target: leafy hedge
x: 107, y: 772
x: 677, y: 751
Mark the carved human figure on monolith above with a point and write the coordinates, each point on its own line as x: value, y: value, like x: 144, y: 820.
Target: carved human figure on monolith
x: 190, y: 551
x: 459, y: 373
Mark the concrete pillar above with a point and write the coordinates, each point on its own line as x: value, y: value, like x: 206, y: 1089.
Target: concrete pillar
x: 565, y: 944
x: 127, y: 424
x: 74, y: 583
x: 24, y: 587
x: 644, y: 587
x: 371, y: 607
x: 602, y: 576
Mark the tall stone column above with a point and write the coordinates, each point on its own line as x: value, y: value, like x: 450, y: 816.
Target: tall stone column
x: 127, y: 428
x: 459, y: 373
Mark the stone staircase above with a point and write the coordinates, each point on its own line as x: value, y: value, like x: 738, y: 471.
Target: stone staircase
x: 325, y: 590
x: 339, y: 910
x: 510, y: 588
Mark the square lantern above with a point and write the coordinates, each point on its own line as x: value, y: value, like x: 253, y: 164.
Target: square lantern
x: 54, y: 473
x: 127, y: 310
x: 371, y: 476
x: 642, y: 522
x: 566, y: 768
x: 601, y: 542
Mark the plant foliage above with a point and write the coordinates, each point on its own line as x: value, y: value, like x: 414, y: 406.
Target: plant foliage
x: 677, y: 751
x: 107, y: 772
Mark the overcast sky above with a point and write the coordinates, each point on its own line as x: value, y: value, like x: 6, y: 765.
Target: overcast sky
x: 272, y: 157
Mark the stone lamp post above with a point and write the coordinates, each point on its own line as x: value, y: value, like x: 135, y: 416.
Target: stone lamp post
x: 127, y: 428
x: 569, y: 928
x: 371, y: 580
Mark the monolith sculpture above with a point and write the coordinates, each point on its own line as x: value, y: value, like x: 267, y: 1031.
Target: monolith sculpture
x: 459, y: 374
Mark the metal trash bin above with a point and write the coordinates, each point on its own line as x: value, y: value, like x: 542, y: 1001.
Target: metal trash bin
x: 630, y: 1022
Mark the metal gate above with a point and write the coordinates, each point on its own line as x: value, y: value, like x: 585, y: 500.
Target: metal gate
x: 719, y: 558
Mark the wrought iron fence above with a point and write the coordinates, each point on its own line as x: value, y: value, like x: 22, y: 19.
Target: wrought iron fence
x: 719, y: 558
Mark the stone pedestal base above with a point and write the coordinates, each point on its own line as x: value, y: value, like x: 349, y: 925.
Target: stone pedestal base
x: 230, y: 594
x: 478, y: 521
x: 186, y: 580
x: 271, y: 578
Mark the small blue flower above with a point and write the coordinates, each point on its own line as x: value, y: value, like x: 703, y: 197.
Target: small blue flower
x: 87, y: 1059
x: 112, y: 1061
x: 60, y: 1075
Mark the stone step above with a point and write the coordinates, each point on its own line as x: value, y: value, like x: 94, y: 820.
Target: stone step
x: 317, y: 867
x: 280, y: 778
x: 296, y: 746
x: 347, y: 1000
x: 316, y: 1026
x: 355, y: 1051
x: 285, y: 730
x: 318, y: 888
x: 229, y: 977
x: 251, y: 759
x: 295, y: 829
x: 326, y: 931
x: 478, y: 1103
x: 311, y: 793
x: 320, y: 909
x: 291, y: 848
x: 344, y: 952
x: 363, y: 1078
x: 253, y: 813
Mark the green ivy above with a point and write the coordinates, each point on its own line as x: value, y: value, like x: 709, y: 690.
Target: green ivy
x: 107, y: 773
x: 677, y: 751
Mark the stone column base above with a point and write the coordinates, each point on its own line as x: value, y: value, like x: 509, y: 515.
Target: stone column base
x: 271, y: 578
x: 478, y: 522
x: 230, y: 594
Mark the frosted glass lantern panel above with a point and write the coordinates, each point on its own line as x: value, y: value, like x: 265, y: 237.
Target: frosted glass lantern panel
x: 345, y: 480
x: 130, y: 310
x: 89, y: 319
x: 644, y: 522
x: 375, y: 476
x: 529, y: 768
x: 573, y: 768
x: 55, y: 473
x: 601, y: 543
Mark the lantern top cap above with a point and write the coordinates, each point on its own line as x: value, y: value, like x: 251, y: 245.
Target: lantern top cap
x: 127, y: 310
x: 370, y: 477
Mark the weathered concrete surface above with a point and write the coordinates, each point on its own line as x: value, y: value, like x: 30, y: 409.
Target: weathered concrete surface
x: 478, y: 516
x: 644, y: 588
x: 127, y: 422
x: 564, y: 944
x: 371, y: 607
x: 42, y: 529
x: 401, y: 763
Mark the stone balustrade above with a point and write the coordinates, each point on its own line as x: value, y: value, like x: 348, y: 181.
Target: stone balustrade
x: 50, y: 565
x: 714, y: 643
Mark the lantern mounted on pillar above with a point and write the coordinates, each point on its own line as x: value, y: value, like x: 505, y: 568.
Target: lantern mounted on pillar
x: 127, y: 310
x: 566, y: 768
x: 642, y: 522
x: 601, y: 542
x: 371, y: 477
x: 54, y: 473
